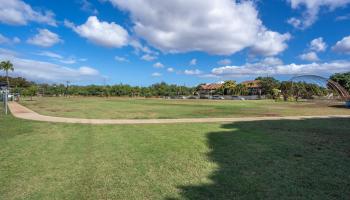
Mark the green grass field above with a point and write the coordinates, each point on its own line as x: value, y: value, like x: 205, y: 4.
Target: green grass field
x: 308, y: 159
x: 126, y: 108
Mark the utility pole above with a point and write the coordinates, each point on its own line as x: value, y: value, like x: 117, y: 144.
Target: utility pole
x: 67, y: 85
x: 6, y: 100
x: 105, y: 87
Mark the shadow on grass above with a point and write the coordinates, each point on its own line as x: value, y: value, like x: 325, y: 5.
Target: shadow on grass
x: 339, y: 106
x: 305, y: 159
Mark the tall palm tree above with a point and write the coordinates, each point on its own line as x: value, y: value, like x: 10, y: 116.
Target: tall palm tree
x: 228, y: 87
x: 6, y: 66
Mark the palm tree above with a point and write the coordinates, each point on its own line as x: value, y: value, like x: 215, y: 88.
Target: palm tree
x: 228, y: 87
x: 6, y: 66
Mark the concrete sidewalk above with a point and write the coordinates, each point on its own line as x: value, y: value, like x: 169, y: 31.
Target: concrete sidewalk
x: 22, y: 112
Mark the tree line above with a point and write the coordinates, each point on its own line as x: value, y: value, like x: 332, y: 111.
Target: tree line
x: 269, y: 86
x: 274, y: 89
x: 27, y: 88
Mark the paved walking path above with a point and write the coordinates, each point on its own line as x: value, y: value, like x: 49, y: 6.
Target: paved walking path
x: 22, y: 112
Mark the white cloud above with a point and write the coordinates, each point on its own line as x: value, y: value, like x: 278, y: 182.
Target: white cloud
x: 193, y: 72
x: 48, y: 72
x: 158, y: 65
x: 144, y: 49
x: 44, y: 38
x: 342, y: 46
x: 318, y: 45
x: 156, y: 74
x: 101, y: 33
x: 258, y: 69
x: 7, y: 53
x: 148, y: 57
x: 68, y: 61
x: 270, y: 43
x: 121, y: 59
x: 343, y: 17
x: 87, y: 6
x: 85, y: 70
x: 310, y: 56
x: 271, y: 61
x: 17, y: 12
x: 217, y: 27
x: 312, y: 9
x: 60, y: 58
x: 50, y: 54
x: 6, y: 40
x: 224, y: 62
x: 170, y: 69
x: 69, y: 24
x: 193, y: 62
x: 295, y: 22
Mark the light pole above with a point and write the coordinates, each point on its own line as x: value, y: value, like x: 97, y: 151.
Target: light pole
x: 6, y: 99
x: 67, y: 87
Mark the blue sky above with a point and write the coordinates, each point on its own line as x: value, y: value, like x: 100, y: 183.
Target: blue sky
x: 140, y: 42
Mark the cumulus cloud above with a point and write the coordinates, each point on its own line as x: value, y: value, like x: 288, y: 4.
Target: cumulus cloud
x: 193, y: 72
x: 312, y: 9
x: 156, y: 74
x: 257, y: 69
x: 6, y: 40
x: 270, y: 43
x: 48, y: 72
x: 310, y: 56
x: 224, y: 62
x: 44, y: 38
x: 17, y: 12
x: 101, y: 33
x: 158, y: 65
x: 318, y: 45
x: 217, y: 27
x: 342, y: 46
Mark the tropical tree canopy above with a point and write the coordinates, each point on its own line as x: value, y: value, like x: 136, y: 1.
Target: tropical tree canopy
x: 6, y: 66
x: 343, y: 79
x: 228, y: 87
x: 268, y: 84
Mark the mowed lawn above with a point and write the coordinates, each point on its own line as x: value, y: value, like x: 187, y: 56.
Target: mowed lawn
x: 128, y: 108
x: 305, y: 159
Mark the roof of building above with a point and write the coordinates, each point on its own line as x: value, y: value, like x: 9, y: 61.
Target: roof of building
x: 252, y: 83
x: 211, y: 86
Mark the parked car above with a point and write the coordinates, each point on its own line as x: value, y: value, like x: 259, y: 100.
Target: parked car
x: 181, y: 97
x: 193, y: 97
x: 217, y: 97
x: 238, y: 98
